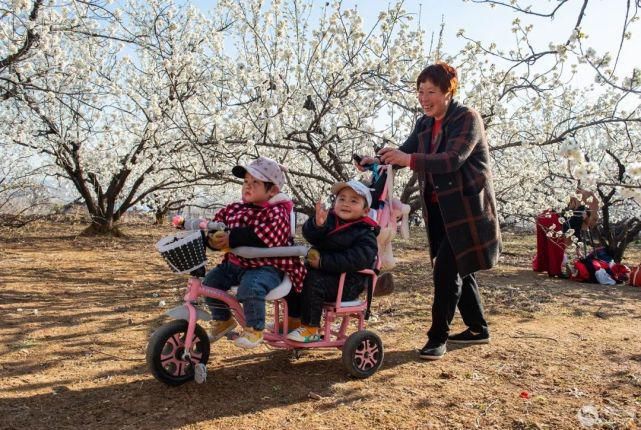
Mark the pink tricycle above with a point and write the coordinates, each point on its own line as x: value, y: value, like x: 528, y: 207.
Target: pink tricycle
x: 179, y: 350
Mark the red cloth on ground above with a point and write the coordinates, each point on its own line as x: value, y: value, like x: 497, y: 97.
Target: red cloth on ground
x: 549, y: 250
x: 582, y: 274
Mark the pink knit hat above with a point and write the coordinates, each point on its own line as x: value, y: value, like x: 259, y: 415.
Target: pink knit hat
x: 264, y: 169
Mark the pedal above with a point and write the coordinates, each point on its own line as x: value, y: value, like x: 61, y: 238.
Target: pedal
x: 200, y: 373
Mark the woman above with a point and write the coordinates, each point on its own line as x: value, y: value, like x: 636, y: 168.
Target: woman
x: 449, y: 152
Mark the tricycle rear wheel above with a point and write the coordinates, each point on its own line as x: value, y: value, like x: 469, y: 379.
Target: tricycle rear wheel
x: 363, y: 354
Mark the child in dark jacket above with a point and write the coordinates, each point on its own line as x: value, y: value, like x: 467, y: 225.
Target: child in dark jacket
x: 343, y: 240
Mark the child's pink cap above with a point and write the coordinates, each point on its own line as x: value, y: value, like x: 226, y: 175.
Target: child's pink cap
x: 264, y: 169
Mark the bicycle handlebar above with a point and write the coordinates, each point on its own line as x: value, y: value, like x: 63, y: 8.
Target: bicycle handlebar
x: 203, y: 224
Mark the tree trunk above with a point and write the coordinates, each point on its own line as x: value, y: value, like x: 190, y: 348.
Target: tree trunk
x: 161, y: 215
x: 616, y: 237
x: 103, y: 227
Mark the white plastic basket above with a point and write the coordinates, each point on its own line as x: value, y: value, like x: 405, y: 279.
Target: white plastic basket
x: 184, y: 252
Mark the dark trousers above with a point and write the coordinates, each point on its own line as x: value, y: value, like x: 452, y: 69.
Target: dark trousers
x: 320, y: 287
x: 450, y: 289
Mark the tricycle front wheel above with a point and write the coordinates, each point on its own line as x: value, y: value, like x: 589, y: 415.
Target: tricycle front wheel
x: 166, y: 348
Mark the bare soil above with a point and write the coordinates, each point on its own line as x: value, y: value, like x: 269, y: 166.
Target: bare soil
x: 77, y: 313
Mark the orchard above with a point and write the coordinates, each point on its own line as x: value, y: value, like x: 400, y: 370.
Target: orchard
x: 127, y: 107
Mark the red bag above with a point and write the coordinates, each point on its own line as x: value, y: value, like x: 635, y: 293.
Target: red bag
x: 620, y: 272
x: 635, y: 276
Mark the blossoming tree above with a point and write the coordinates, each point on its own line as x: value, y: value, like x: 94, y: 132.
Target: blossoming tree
x: 120, y: 116
x: 153, y: 103
x: 550, y: 136
x: 312, y: 93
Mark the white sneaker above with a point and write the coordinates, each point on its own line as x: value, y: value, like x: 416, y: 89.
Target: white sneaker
x: 304, y: 335
x: 249, y: 339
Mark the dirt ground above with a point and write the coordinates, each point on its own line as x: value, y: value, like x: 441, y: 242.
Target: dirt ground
x: 77, y: 313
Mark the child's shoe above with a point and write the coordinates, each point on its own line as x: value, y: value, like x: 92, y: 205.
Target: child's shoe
x: 250, y: 338
x: 220, y: 328
x: 304, y: 334
x: 292, y: 324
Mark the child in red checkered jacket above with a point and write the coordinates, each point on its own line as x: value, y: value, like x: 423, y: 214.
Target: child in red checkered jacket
x: 262, y: 219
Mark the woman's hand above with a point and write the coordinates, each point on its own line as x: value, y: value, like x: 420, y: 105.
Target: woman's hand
x: 219, y: 240
x: 394, y: 156
x: 366, y: 161
x: 321, y: 214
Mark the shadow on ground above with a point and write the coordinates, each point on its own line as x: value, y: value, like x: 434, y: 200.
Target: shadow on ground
x: 238, y: 386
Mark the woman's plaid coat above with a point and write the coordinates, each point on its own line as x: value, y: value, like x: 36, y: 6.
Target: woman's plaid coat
x: 457, y: 169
